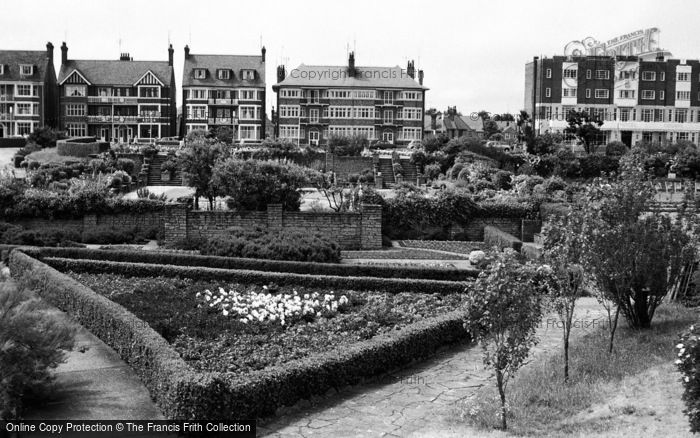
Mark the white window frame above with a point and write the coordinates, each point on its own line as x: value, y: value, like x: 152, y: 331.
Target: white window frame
x: 682, y: 95
x: 141, y: 87
x: 21, y: 126
x: 224, y: 74
x: 602, y: 93
x: 682, y: 76
x: 290, y: 93
x: 75, y: 110
x: 289, y: 132
x: 199, y: 73
x: 22, y: 68
x: 662, y: 94
x: 243, y: 94
x: 569, y: 92
x: 249, y: 112
x: 547, y: 92
x: 290, y: 111
x: 602, y: 74
x: 571, y: 73
x: 23, y: 86
x: 548, y: 73
x: 648, y: 94
x: 247, y: 128
x: 2, y: 69
x: 76, y: 129
x: 411, y: 95
x: 649, y: 76
x: 627, y: 94
x: 588, y: 93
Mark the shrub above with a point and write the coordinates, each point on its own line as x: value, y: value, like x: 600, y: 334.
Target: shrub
x: 347, y: 146
x: 502, y: 180
x: 498, y: 238
x: 127, y: 165
x: 432, y: 171
x: 688, y: 357
x: 15, y: 235
x: 274, y: 245
x: 33, y: 342
x: 615, y: 149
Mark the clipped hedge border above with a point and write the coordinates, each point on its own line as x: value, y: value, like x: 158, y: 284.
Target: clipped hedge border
x: 183, y: 393
x: 496, y: 237
x: 259, y: 264
x: 390, y: 285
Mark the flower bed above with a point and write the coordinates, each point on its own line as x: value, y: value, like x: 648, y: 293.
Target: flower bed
x: 183, y: 393
x: 401, y: 253
x: 211, y: 337
x: 443, y: 245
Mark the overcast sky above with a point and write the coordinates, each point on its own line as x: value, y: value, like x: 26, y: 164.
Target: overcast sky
x: 473, y: 53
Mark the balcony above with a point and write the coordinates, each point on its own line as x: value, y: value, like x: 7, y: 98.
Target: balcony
x: 6, y: 97
x: 117, y: 100
x: 383, y: 122
x: 76, y: 118
x: 314, y: 101
x: 113, y: 119
x: 223, y: 121
x: 313, y: 121
x: 230, y: 102
x: 388, y: 103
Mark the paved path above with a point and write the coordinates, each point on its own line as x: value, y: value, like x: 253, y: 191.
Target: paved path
x: 416, y: 402
x: 95, y: 384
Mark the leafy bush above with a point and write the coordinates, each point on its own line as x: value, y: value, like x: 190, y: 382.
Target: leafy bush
x: 33, y: 342
x: 688, y: 357
x: 502, y: 180
x: 262, y: 244
x: 347, y: 146
x: 15, y: 235
x: 45, y: 136
x: 615, y: 149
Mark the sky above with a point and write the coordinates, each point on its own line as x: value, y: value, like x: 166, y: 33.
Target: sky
x: 472, y: 52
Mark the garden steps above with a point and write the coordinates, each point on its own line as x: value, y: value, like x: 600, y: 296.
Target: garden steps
x: 154, y: 177
x: 387, y: 171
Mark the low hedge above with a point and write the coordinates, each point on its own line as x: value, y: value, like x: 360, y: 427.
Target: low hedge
x: 165, y: 258
x: 80, y: 147
x: 389, y: 285
x: 183, y: 393
x: 496, y: 237
x: 13, y: 142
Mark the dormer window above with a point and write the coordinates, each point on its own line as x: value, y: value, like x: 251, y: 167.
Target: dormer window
x: 26, y: 70
x: 249, y: 75
x: 200, y: 73
x: 224, y: 74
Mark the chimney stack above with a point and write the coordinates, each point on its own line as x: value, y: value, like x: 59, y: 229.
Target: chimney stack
x: 263, y: 51
x: 281, y: 73
x: 351, y: 64
x: 171, y: 51
x: 64, y: 53
x: 433, y: 120
x: 660, y: 56
x: 125, y: 57
x: 49, y: 51
x: 420, y: 77
x: 187, y: 52
x: 411, y: 70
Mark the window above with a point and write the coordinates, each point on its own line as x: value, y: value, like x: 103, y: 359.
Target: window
x: 647, y: 115
x: 225, y: 74
x: 548, y: 73
x: 289, y: 110
x: 662, y: 76
x: 411, y: 95
x: 648, y: 75
x: 313, y: 115
x: 388, y: 117
x: 249, y: 75
x: 313, y: 136
x: 602, y: 93
x: 24, y: 128
x: 588, y: 74
x: 200, y: 73
x: 683, y: 77
x: 624, y: 114
x: 626, y: 94
x: 24, y: 109
x: 682, y: 95
x: 681, y: 116
x: 196, y: 94
x: 411, y: 133
x: 76, y: 129
x: 411, y: 114
x: 662, y: 95
x: 26, y: 70
x: 2, y: 69
x: 149, y: 91
x: 571, y: 73
x: 366, y: 112
x: 292, y: 94
x: 569, y: 92
x: 682, y: 136
x: 249, y: 112
x: 547, y: 92
x: 588, y: 93
x: 602, y: 74
x: 388, y: 97
x: 195, y: 112
x: 349, y: 131
x: 248, y: 132
x: 658, y: 115
x: 388, y: 137
x: 24, y: 90
x: 648, y: 94
x: 289, y: 131
x: 75, y: 110
x: 627, y: 74
x: 246, y: 95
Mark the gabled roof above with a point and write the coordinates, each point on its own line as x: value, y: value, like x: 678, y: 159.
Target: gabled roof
x: 507, y: 126
x: 123, y: 73
x: 463, y: 123
x: 338, y: 76
x: 12, y: 59
x: 213, y: 63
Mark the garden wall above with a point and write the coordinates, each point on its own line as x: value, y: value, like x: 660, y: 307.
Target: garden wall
x: 350, y: 230
x: 123, y: 221
x: 81, y: 147
x: 474, y: 230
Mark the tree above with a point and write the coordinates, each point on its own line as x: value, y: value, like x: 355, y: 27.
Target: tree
x: 634, y: 255
x: 615, y: 149
x: 490, y: 128
x: 196, y: 162
x: 563, y: 252
x: 526, y: 134
x: 503, y: 311
x: 253, y: 184
x: 484, y: 115
x: 505, y: 117
x: 347, y: 146
x: 45, y: 136
x: 584, y: 127
x: 224, y: 134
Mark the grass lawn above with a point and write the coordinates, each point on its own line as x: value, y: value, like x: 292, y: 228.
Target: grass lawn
x: 50, y: 155
x: 633, y: 392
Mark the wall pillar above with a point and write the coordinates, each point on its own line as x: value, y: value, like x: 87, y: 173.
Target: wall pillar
x: 371, y: 227
x: 175, y: 223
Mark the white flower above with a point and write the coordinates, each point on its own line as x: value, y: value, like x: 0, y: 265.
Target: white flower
x: 678, y: 361
x: 687, y: 379
x: 679, y: 346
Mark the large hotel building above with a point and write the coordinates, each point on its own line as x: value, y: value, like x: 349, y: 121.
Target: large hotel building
x: 381, y: 103
x: 636, y: 89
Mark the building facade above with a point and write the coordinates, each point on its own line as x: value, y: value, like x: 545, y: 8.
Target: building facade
x: 122, y: 100
x: 638, y: 99
x: 381, y: 103
x: 27, y: 91
x: 225, y: 91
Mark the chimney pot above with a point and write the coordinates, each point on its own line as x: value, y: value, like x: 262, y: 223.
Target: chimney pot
x: 420, y: 77
x: 49, y: 51
x: 171, y: 51
x: 262, y: 52
x: 187, y: 51
x: 281, y: 73
x: 351, y: 63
